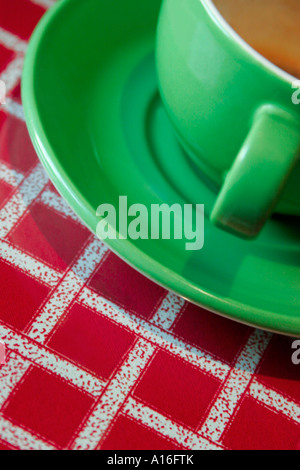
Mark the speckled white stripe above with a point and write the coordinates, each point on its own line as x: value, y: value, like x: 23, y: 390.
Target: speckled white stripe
x: 10, y: 41
x: 25, y: 195
x: 66, y: 291
x: 162, y: 338
x: 11, y: 372
x: 56, y: 202
x: 168, y: 311
x: 14, y: 370
x: 12, y: 74
x: 114, y: 396
x: 20, y: 438
x: 235, y: 386
x: 166, y: 427
x: 14, y: 108
x: 275, y: 401
x: 10, y: 176
x: 29, y: 265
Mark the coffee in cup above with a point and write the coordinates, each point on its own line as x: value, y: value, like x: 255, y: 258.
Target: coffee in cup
x: 271, y: 27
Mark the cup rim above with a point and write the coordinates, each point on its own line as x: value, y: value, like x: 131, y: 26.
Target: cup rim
x: 216, y: 15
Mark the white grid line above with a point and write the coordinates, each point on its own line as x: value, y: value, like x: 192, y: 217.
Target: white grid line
x: 124, y: 381
x: 165, y: 315
x: 114, y: 396
x: 66, y: 291
x: 20, y: 438
x: 168, y: 311
x: 10, y: 41
x: 25, y: 195
x: 150, y: 332
x: 275, y: 401
x: 11, y: 373
x: 167, y: 428
x: 163, y: 318
x: 41, y: 356
x: 35, y: 268
x: 10, y: 176
x: 235, y: 386
x: 14, y: 109
x: 56, y: 202
x: 12, y: 74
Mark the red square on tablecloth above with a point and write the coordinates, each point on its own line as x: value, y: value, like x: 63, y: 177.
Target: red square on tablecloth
x: 20, y: 296
x: 277, y: 369
x: 48, y: 406
x: 3, y: 117
x: 91, y: 340
x: 15, y: 146
x: 221, y: 337
x: 177, y: 389
x: 6, y: 55
x: 20, y: 16
x: 256, y: 427
x: 121, y: 284
x: 130, y: 435
x: 49, y: 236
x: 5, y: 191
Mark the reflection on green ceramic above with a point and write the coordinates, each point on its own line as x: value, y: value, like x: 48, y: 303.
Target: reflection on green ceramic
x: 94, y: 115
x: 233, y: 112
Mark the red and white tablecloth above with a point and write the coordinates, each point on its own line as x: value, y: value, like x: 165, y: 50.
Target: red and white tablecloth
x: 97, y: 356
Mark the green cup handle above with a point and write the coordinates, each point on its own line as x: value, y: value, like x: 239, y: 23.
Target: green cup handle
x: 255, y: 182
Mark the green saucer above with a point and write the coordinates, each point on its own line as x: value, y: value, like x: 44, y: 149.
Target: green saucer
x: 94, y: 115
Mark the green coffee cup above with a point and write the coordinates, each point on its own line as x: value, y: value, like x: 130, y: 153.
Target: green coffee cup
x: 231, y: 106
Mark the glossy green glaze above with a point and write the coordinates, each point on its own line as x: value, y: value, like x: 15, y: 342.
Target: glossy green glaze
x: 213, y: 85
x: 94, y: 114
x: 254, y: 183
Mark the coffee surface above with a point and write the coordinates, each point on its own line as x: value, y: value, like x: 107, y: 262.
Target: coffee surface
x: 271, y: 27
